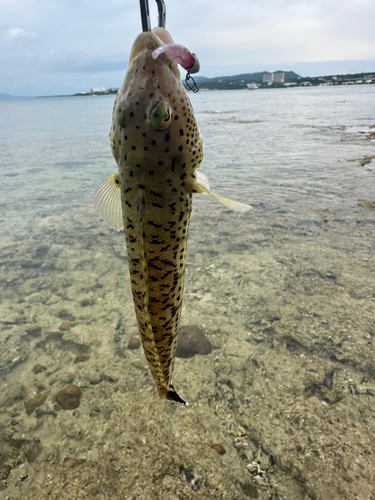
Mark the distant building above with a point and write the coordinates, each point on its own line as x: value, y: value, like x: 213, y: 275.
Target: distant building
x: 268, y: 77
x: 102, y: 89
x: 274, y: 78
x: 278, y: 77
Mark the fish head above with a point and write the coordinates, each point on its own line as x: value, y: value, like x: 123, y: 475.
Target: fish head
x: 152, y: 113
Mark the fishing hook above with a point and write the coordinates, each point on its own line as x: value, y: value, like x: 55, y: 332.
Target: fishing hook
x: 145, y: 14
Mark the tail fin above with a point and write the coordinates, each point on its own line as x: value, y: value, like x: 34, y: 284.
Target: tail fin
x: 173, y: 395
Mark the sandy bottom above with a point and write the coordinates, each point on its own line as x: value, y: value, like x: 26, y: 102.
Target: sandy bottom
x: 288, y: 390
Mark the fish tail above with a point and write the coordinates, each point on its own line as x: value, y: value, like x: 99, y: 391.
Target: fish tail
x: 173, y: 395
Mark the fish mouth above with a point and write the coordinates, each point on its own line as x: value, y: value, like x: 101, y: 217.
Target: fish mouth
x: 147, y: 42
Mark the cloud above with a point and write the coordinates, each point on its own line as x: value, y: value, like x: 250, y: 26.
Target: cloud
x: 19, y: 33
x: 85, y: 43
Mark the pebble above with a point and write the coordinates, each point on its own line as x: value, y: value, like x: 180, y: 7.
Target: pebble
x: 69, y: 397
x: 34, y: 331
x: 66, y: 325
x: 38, y: 369
x: 134, y: 343
x: 81, y: 359
x: 191, y: 341
x: 33, y: 403
x: 220, y: 449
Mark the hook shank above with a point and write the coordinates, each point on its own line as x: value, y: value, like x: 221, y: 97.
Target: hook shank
x: 145, y: 14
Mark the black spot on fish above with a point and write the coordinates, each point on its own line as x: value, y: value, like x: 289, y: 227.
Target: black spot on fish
x: 156, y: 194
x: 153, y: 143
x: 181, y: 131
x: 167, y: 137
x: 133, y: 148
x: 160, y: 163
x: 151, y: 172
x: 117, y: 181
x: 180, y: 148
x: 145, y: 148
x: 131, y: 173
x: 154, y: 225
x: 141, y: 186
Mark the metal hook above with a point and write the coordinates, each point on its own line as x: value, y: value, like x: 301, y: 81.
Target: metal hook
x: 145, y: 14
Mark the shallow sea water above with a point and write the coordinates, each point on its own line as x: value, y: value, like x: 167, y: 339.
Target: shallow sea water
x: 284, y: 293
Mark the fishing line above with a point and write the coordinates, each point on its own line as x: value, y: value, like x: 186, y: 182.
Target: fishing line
x: 327, y: 237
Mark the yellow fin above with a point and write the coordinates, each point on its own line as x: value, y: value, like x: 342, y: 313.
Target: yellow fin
x: 107, y: 201
x: 202, y: 185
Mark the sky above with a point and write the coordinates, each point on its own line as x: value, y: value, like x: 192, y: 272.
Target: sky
x: 54, y: 47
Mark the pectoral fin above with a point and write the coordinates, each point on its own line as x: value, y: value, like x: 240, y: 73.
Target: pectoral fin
x: 107, y: 201
x: 202, y: 185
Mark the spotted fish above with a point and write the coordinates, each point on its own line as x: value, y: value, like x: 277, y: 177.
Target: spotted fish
x: 157, y: 147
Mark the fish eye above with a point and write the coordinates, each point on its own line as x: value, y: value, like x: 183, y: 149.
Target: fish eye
x: 120, y: 113
x: 160, y: 116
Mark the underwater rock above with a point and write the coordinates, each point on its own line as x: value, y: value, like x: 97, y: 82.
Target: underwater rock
x: 81, y: 359
x: 134, y: 343
x: 78, y: 462
x: 69, y: 397
x: 66, y: 325
x: 191, y: 340
x: 33, y: 403
x: 250, y: 490
x: 38, y: 369
x: 370, y: 205
x: 87, y: 302
x: 34, y: 331
x: 220, y: 449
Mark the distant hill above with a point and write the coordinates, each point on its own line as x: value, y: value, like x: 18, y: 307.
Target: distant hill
x: 248, y: 77
x: 4, y: 96
x: 8, y: 97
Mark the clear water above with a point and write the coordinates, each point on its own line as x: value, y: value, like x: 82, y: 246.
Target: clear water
x: 285, y: 294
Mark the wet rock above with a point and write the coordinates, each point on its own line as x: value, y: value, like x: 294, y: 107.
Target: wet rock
x: 191, y: 340
x: 38, y: 369
x: 34, y: 331
x: 220, y: 449
x: 81, y: 359
x: 65, y: 326
x: 69, y: 397
x: 134, y: 343
x: 33, y: 403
